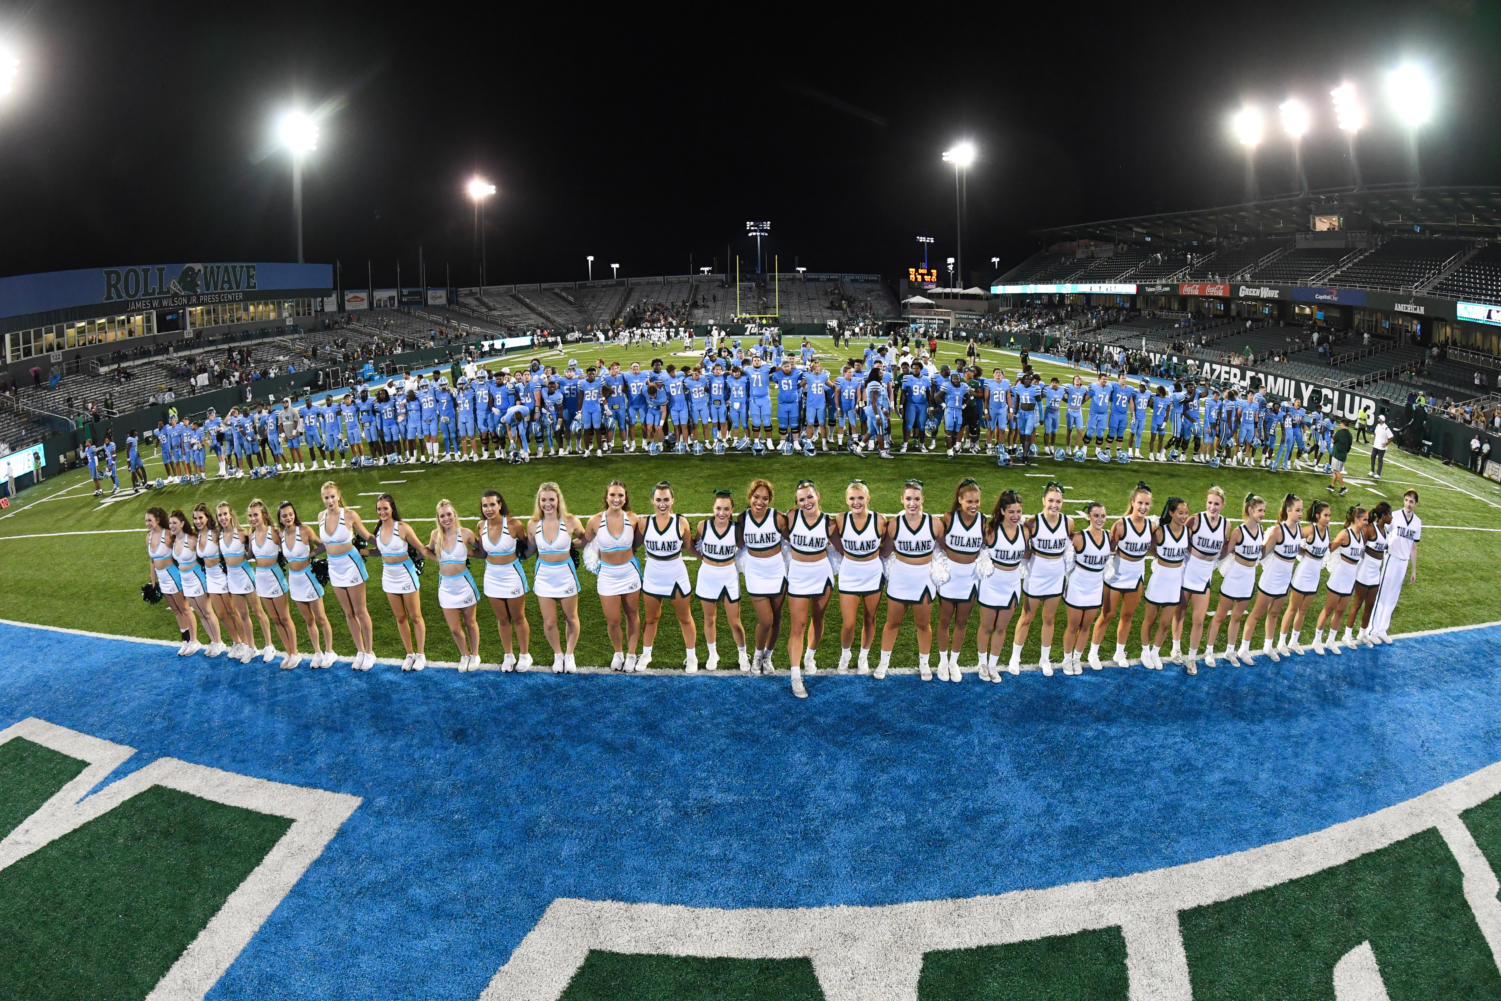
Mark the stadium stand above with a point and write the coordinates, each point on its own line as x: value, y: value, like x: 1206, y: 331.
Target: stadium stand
x: 1299, y: 265
x: 1402, y: 263
x: 1479, y: 277
x: 1231, y: 262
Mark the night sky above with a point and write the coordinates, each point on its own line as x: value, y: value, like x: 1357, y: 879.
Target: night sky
x: 141, y: 133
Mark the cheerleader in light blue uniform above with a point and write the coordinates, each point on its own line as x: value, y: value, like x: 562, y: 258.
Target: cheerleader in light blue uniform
x: 297, y: 541
x: 451, y: 545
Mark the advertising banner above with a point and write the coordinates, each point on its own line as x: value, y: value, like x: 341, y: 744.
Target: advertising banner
x: 1216, y: 289
x: 1260, y: 292
x: 154, y: 286
x: 1087, y: 288
x: 330, y: 303
x: 385, y: 298
x: 1479, y: 312
x: 437, y: 297
x: 1158, y: 289
x: 1331, y: 296
x: 411, y: 297
x: 356, y: 300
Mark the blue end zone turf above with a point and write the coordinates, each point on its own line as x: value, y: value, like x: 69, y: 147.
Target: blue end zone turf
x: 487, y: 796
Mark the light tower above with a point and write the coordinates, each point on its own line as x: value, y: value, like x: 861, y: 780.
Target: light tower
x: 961, y: 155
x: 758, y: 230
x: 1246, y: 125
x: 1295, y: 122
x: 1350, y: 117
x: 298, y: 133
x: 479, y: 189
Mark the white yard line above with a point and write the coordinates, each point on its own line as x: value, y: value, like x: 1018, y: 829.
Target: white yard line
x: 55, y: 495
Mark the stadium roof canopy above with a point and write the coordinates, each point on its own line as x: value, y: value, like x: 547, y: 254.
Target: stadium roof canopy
x: 1474, y: 211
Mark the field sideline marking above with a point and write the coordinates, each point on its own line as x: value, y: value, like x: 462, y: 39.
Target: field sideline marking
x: 851, y: 946
x: 55, y: 495
x: 540, y: 668
x: 316, y: 817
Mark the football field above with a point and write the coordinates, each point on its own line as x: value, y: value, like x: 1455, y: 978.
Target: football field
x: 1324, y: 827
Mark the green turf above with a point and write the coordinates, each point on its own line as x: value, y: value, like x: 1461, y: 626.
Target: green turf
x: 1484, y: 822
x: 1085, y: 966
x: 1282, y: 943
x: 105, y: 910
x: 30, y: 774
x: 46, y: 576
x: 615, y: 976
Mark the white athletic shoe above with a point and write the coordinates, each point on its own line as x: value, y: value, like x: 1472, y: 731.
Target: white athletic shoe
x: 711, y: 662
x: 1295, y: 646
x: 843, y: 667
x: 983, y: 670
x: 1120, y: 658
x: 193, y: 647
x: 268, y: 654
x: 508, y: 663
x: 1285, y: 649
x: 1270, y: 651
x: 406, y: 662
x: 290, y: 661
x: 1094, y: 662
x: 924, y: 671
x: 863, y: 662
x: 616, y: 662
x: 797, y: 683
x: 690, y: 662
x: 1318, y: 646
x: 943, y: 668
x: 214, y: 650
x: 743, y: 662
x: 1335, y: 649
x: 419, y: 662
x: 1386, y: 639
x: 643, y: 661
x: 956, y: 673
x: 1014, y: 666
x: 570, y: 666
x: 523, y: 663
x: 1047, y: 667
x: 1192, y: 666
x: 557, y: 662
x: 1209, y: 660
x: 810, y: 661
x: 1245, y: 656
x: 879, y: 672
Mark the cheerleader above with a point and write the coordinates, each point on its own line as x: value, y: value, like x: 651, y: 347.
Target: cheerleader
x: 857, y: 534
x: 619, y: 583
x: 1312, y: 548
x: 338, y: 527
x: 909, y: 542
x: 663, y: 537
x: 239, y: 568
x: 1130, y: 542
x: 1368, y: 575
x: 1000, y: 591
x: 451, y: 544
x: 239, y: 584
x: 193, y: 582
x: 961, y: 534
x: 1244, y: 548
x: 1164, y: 591
x: 1283, y: 542
x: 396, y: 542
x: 270, y: 582
x: 297, y: 541
x: 762, y: 531
x: 1083, y: 593
x: 1207, y: 534
x: 554, y: 532
x: 206, y: 548
x: 160, y: 541
x: 1347, y: 548
x: 503, y: 540
x: 810, y: 581
x: 1402, y: 549
x: 1047, y: 537
x: 718, y: 583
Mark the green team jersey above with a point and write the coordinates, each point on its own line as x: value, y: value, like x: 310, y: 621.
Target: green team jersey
x: 1343, y: 439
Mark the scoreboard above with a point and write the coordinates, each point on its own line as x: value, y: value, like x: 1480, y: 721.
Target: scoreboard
x: 926, y: 277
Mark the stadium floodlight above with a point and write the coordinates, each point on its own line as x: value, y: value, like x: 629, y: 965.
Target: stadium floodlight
x: 478, y: 189
x: 1347, y: 110
x: 10, y: 68
x: 589, y: 261
x: 704, y: 270
x: 801, y: 271
x: 1410, y: 90
x: 615, y: 271
x: 1351, y: 118
x: 926, y: 241
x: 1295, y: 118
x: 1247, y: 126
x: 297, y: 131
x: 995, y: 263
x: 962, y: 155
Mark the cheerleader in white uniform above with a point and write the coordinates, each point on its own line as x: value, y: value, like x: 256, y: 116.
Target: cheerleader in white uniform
x: 193, y: 580
x: 297, y: 541
x: 1402, y: 548
x: 1207, y: 534
x: 663, y: 536
x: 1084, y: 591
x: 1001, y: 591
x: 270, y: 582
x: 216, y: 582
x: 718, y: 584
x: 1130, y: 542
x: 451, y: 545
x: 961, y: 534
x: 857, y: 538
x: 1048, y: 536
x: 1244, y: 549
x: 1312, y: 548
x: 1164, y: 590
x: 1368, y: 574
x: 553, y: 532
x: 239, y: 582
x: 1347, y: 547
x: 909, y: 543
x: 395, y: 542
x: 762, y: 531
x: 338, y: 527
x: 159, y: 544
x: 810, y: 581
x: 619, y: 584
x: 1283, y: 543
x: 503, y: 541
